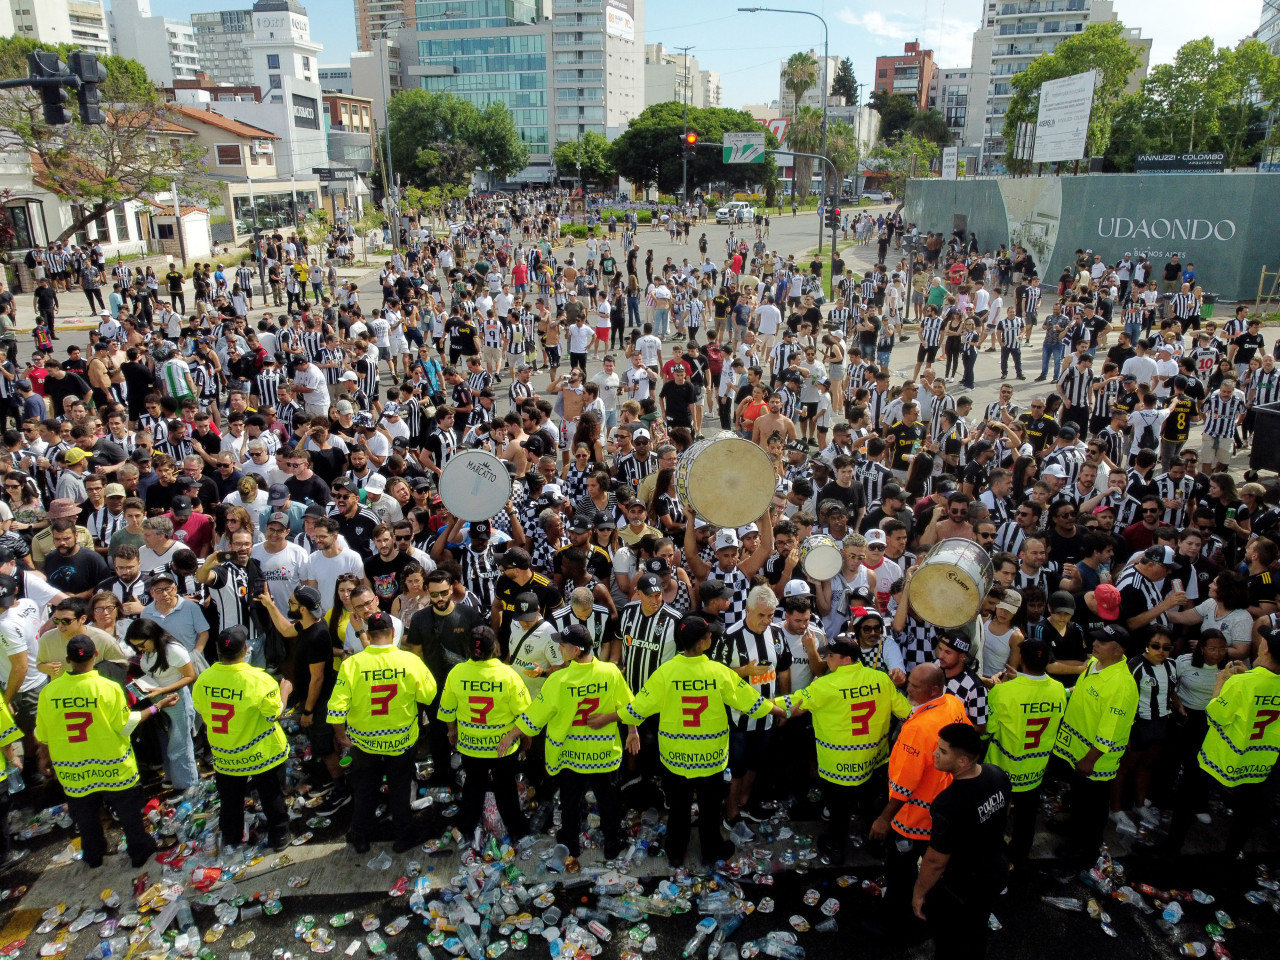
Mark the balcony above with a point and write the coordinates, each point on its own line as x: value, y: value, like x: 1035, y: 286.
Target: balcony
x: 1040, y: 6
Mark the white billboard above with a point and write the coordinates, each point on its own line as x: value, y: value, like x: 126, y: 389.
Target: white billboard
x: 950, y: 162
x: 1062, y: 124
x: 619, y: 19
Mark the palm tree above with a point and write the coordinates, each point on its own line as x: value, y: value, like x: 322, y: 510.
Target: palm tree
x: 930, y: 125
x: 805, y: 135
x: 799, y: 76
x: 842, y: 150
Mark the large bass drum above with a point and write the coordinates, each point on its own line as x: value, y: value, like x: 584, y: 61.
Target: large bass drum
x: 821, y: 557
x: 475, y: 485
x: 950, y: 583
x: 727, y: 481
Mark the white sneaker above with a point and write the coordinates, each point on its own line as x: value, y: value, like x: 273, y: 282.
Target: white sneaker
x: 1124, y: 823
x: 1204, y: 818
x: 1149, y: 814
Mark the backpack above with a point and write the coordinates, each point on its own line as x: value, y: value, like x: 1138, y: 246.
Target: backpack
x: 715, y: 359
x: 1148, y: 440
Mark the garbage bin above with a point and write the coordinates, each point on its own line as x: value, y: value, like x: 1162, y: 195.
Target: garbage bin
x: 1206, y: 305
x: 1264, y: 454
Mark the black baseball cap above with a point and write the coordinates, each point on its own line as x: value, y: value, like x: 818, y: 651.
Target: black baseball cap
x: 80, y: 649
x: 575, y: 634
x: 714, y: 589
x: 956, y: 641
x: 380, y: 622
x: 525, y: 604
x: 649, y: 584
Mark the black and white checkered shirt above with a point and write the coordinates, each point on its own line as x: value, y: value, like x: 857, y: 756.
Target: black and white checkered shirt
x: 916, y: 642
x: 966, y: 687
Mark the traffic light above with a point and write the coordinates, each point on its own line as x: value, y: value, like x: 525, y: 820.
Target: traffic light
x: 91, y: 74
x: 689, y: 141
x: 833, y: 217
x: 45, y: 65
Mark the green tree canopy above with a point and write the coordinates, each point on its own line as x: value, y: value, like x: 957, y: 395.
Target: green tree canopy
x: 896, y: 110
x: 100, y: 167
x: 648, y: 152
x: 440, y: 139
x: 843, y: 83
x: 592, y: 151
x: 1206, y: 100
x: 902, y: 159
x: 799, y: 76
x: 804, y: 134
x: 1102, y: 47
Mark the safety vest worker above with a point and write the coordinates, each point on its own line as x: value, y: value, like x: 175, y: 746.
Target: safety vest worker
x: 1022, y: 720
x: 852, y: 706
x: 241, y: 708
x: 579, y: 757
x: 1093, y: 735
x: 914, y: 781
x: 9, y: 735
x: 689, y: 693
x: 1240, y: 747
x: 83, y: 724
x: 374, y: 713
x: 480, y: 702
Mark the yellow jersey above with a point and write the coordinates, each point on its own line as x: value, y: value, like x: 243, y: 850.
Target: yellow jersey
x: 241, y: 705
x: 483, y: 697
x: 377, y: 695
x: 567, y: 699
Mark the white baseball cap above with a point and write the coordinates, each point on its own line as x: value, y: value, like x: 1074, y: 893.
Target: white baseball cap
x: 726, y: 539
x: 376, y: 484
x: 796, y: 588
x: 876, y: 535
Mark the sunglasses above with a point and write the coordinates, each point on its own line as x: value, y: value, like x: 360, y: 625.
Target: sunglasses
x: 64, y: 621
x: 1148, y: 510
x: 404, y: 539
x: 439, y: 595
x: 1160, y: 646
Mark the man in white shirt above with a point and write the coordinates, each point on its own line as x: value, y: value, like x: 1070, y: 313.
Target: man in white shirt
x: 310, y: 385
x: 1166, y: 370
x: 608, y: 381
x: 1140, y: 366
x: 640, y: 378
x: 283, y: 563
x: 330, y: 559
x: 649, y: 347
x: 768, y: 321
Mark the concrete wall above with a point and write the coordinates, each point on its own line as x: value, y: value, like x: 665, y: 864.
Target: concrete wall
x: 1223, y: 223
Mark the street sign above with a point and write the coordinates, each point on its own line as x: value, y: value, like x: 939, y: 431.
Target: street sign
x: 744, y: 147
x: 325, y: 174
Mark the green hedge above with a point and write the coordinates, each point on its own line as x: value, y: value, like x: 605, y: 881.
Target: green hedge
x: 578, y: 230
x: 642, y: 216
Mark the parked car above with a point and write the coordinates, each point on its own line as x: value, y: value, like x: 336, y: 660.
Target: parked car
x: 878, y: 196
x: 730, y: 211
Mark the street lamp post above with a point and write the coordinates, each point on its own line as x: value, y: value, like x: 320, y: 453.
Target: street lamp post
x: 392, y: 205
x: 826, y: 36
x: 684, y: 146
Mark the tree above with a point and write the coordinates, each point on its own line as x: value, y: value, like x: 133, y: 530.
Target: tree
x: 430, y: 137
x: 804, y: 134
x: 842, y: 150
x: 1205, y: 100
x: 896, y: 110
x: 497, y: 141
x: 1102, y: 47
x: 906, y: 157
x: 930, y: 125
x: 843, y: 84
x: 648, y: 152
x: 99, y: 167
x: 799, y: 76
x: 592, y: 151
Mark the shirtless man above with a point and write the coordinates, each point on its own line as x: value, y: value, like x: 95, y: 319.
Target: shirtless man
x: 512, y: 450
x: 574, y: 396
x: 767, y: 424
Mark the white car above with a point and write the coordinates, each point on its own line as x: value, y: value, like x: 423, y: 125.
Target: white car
x: 729, y: 213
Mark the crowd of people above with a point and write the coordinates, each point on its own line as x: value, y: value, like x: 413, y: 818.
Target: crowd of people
x: 217, y: 523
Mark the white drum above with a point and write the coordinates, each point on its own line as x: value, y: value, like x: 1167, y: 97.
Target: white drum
x: 821, y: 557
x: 727, y: 481
x: 950, y: 583
x: 475, y: 485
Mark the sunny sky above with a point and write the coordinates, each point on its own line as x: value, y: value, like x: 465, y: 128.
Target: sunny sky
x: 748, y: 50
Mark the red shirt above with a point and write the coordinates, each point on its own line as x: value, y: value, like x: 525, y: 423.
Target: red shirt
x: 1137, y: 537
x: 196, y: 532
x: 37, y: 376
x: 519, y: 274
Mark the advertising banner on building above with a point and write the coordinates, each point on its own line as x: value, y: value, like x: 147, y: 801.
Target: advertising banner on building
x: 1062, y: 124
x: 1180, y: 162
x: 306, y: 112
x: 620, y: 19
x: 1228, y: 232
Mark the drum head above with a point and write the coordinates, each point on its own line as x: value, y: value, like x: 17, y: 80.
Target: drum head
x: 821, y: 557
x: 475, y: 485
x: 948, y: 588
x: 730, y: 481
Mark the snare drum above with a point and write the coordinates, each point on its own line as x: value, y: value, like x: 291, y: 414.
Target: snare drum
x: 821, y: 557
x: 475, y: 485
x: 726, y: 481
x: 950, y: 583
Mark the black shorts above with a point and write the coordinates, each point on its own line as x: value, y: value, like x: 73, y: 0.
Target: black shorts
x: 810, y: 410
x: 553, y: 355
x: 1149, y: 733
x: 926, y: 354
x: 320, y: 735
x: 747, y: 749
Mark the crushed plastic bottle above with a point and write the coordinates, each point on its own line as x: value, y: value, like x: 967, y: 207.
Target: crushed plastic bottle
x: 1073, y: 904
x: 1193, y: 949
x: 381, y: 862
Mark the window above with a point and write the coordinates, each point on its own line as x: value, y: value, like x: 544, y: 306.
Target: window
x: 122, y: 224
x: 306, y: 63
x: 273, y: 83
x: 273, y: 61
x: 228, y: 154
x: 883, y: 74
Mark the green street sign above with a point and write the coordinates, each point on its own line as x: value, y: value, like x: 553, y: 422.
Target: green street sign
x: 744, y: 147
